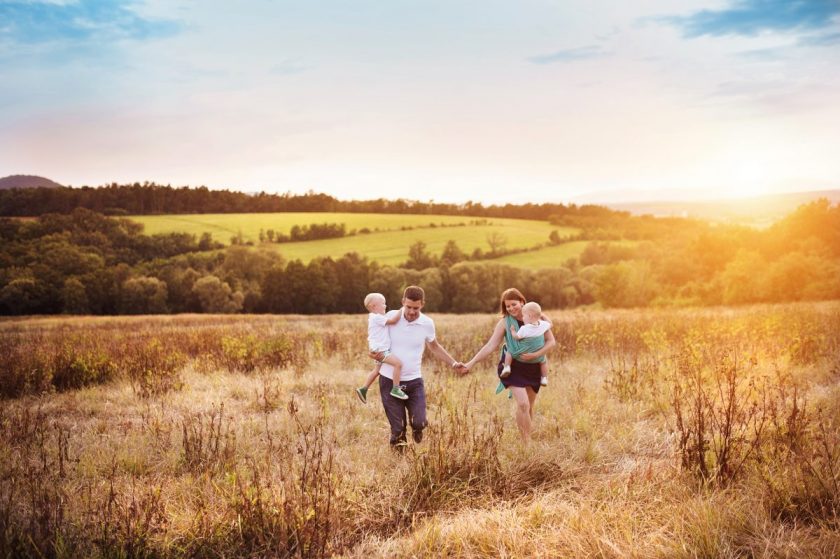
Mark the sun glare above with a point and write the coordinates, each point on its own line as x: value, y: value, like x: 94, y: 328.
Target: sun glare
x: 750, y: 179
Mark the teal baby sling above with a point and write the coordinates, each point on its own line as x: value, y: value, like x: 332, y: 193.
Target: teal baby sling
x: 525, y: 345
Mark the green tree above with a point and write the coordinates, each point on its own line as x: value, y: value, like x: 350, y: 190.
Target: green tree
x: 74, y: 297
x: 216, y: 296
x: 24, y: 295
x: 244, y: 268
x: 799, y: 276
x: 354, y: 274
x: 452, y: 254
x: 390, y: 282
x: 143, y: 295
x: 742, y: 279
x: 497, y: 241
x: 205, y: 242
x: 419, y: 257
x: 321, y: 292
x: 625, y: 284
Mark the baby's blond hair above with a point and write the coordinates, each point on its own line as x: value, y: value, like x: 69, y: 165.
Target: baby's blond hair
x: 532, y: 307
x: 371, y: 297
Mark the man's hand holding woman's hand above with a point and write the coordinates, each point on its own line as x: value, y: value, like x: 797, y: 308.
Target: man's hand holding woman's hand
x: 460, y: 367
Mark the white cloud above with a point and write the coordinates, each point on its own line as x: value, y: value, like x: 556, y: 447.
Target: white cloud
x: 436, y: 98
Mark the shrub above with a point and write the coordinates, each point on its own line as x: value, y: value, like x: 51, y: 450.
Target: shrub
x: 152, y: 367
x: 721, y: 413
x: 208, y: 442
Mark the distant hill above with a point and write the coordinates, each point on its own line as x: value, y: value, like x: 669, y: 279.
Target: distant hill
x: 759, y: 211
x: 26, y: 181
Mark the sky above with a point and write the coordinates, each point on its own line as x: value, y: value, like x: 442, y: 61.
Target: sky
x: 445, y: 100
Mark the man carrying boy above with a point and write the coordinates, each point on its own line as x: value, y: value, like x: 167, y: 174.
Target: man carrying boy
x: 409, y: 337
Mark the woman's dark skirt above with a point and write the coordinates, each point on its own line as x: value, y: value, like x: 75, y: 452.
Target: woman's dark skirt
x: 521, y: 374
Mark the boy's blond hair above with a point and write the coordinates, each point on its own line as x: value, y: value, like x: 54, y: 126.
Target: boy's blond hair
x: 371, y: 297
x: 532, y: 307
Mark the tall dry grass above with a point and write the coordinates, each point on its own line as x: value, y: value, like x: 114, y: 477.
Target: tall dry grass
x: 663, y: 433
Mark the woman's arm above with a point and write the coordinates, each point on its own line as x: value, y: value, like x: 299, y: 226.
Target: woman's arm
x: 550, y: 342
x: 491, y: 345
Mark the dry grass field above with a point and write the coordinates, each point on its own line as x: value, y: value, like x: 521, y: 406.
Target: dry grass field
x: 663, y: 433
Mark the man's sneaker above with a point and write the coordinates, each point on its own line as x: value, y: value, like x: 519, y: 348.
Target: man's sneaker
x: 544, y: 381
x: 362, y: 394
x: 505, y: 372
x: 396, y: 392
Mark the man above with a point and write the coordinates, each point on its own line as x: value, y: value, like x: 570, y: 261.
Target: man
x: 409, y: 337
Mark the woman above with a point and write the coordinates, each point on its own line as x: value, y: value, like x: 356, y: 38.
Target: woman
x: 524, y: 380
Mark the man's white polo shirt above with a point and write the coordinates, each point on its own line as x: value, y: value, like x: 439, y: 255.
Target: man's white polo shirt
x: 408, y: 340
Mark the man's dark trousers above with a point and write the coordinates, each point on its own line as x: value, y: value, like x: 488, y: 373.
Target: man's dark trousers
x: 397, y: 409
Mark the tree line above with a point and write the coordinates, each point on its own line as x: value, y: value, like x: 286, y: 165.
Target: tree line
x: 150, y: 198
x: 85, y: 262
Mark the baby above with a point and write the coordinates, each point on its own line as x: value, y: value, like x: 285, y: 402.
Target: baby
x: 379, y: 341
x: 533, y: 330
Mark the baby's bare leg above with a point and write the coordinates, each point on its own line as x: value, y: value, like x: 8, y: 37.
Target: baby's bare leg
x: 506, y: 369
x: 395, y: 362
x: 372, y: 375
x: 544, y: 368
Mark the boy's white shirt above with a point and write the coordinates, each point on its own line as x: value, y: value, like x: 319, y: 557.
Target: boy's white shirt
x: 378, y: 337
x: 531, y: 330
x: 408, y: 342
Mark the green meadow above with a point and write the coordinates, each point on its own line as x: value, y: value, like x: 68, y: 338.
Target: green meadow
x: 551, y: 256
x: 389, y: 239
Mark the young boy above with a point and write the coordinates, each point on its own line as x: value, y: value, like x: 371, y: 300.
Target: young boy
x: 379, y: 341
x: 534, y: 328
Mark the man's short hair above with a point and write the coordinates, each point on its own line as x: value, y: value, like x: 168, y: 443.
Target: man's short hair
x: 414, y: 293
x: 532, y: 307
x: 372, y: 297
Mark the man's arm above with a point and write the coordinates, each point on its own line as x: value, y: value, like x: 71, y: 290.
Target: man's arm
x: 438, y: 351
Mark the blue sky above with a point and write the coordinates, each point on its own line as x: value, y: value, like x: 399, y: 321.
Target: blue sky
x: 445, y: 100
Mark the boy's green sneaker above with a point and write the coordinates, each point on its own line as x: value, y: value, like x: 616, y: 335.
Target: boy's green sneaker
x: 362, y: 394
x: 396, y: 392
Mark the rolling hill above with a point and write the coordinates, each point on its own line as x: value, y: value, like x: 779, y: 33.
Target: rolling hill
x: 388, y: 239
x: 26, y: 181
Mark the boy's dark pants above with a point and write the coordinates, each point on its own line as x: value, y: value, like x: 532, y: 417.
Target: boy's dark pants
x: 396, y: 409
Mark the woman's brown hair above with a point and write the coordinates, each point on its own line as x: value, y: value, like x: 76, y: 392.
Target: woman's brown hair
x: 510, y: 295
